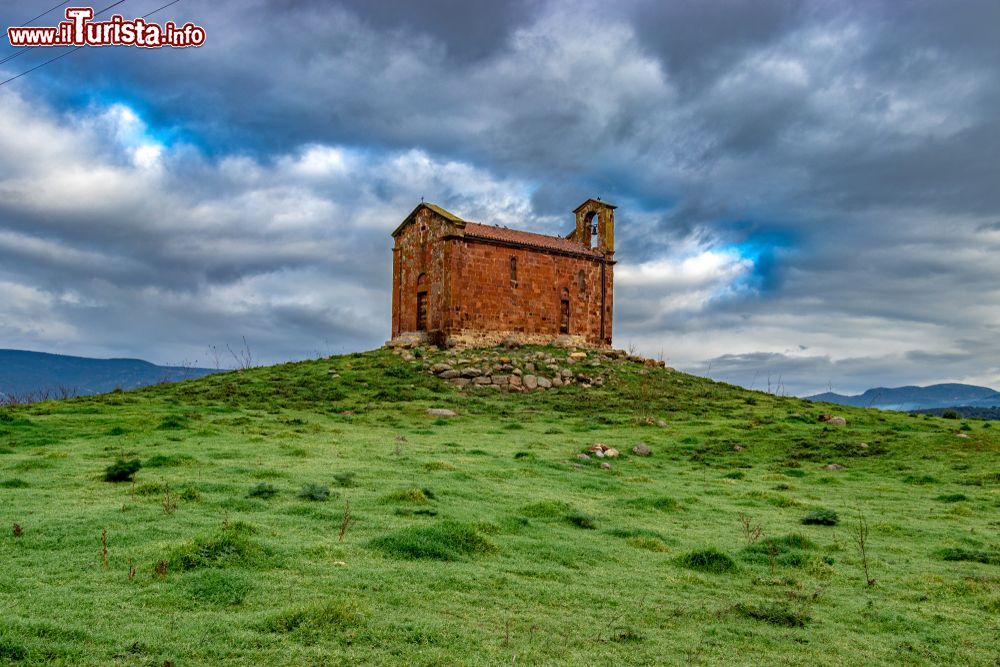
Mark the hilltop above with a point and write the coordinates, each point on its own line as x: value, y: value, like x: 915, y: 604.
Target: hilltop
x: 30, y: 376
x: 315, y: 513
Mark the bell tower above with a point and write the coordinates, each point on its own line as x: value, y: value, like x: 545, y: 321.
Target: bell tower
x: 599, y: 235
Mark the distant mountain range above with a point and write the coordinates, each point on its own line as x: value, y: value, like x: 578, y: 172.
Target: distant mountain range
x: 30, y: 376
x: 911, y: 399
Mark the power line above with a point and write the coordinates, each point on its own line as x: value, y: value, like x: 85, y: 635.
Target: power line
x: 46, y: 12
x: 29, y: 48
x: 146, y: 16
x: 75, y: 49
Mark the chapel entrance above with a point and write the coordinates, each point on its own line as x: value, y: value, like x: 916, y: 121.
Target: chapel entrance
x: 564, y: 312
x: 422, y: 302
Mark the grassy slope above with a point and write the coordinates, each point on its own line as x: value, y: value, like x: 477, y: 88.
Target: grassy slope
x: 278, y: 587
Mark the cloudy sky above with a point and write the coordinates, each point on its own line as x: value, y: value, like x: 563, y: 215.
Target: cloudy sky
x: 809, y: 193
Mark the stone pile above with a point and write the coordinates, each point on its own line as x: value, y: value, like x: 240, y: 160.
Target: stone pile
x: 519, y: 370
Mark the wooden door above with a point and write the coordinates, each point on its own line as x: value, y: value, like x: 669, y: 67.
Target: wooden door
x: 564, y: 316
x: 421, y: 311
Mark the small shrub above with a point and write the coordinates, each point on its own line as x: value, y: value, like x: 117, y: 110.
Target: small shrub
x: 775, y: 614
x: 313, y: 622
x: 821, y: 517
x: 581, y: 520
x: 411, y: 496
x: 794, y: 472
x: 315, y: 492
x: 970, y: 555
x: 11, y: 652
x: 152, y: 489
x: 229, y: 547
x: 190, y: 494
x: 435, y: 466
x: 709, y: 560
x: 546, y: 509
x: 262, y: 490
x: 344, y: 479
x: 122, y: 470
x: 647, y: 543
x: 735, y: 474
x: 447, y: 540
x: 14, y: 483
x: 919, y: 479
x: 116, y: 430
x: 658, y: 503
x: 952, y: 498
x: 172, y: 422
x: 787, y: 550
x: 950, y: 414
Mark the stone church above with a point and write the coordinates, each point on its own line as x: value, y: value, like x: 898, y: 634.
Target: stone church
x: 456, y: 282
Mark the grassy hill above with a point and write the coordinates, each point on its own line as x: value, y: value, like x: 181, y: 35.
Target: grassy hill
x: 484, y: 539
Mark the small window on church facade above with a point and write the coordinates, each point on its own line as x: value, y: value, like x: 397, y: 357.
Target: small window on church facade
x: 582, y: 281
x: 513, y: 271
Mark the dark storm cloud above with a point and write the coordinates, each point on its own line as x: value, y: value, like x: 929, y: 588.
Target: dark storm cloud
x: 790, y: 175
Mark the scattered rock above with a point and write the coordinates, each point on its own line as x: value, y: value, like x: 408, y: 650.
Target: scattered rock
x: 530, y: 382
x: 642, y: 449
x: 482, y: 380
x: 737, y: 448
x: 660, y: 423
x: 605, y: 466
x: 461, y: 382
x: 512, y: 342
x: 833, y: 466
x: 611, y: 453
x: 598, y: 447
x: 583, y: 457
x: 557, y: 381
x: 544, y: 383
x: 837, y: 421
x: 449, y: 374
x: 577, y: 355
x: 566, y: 373
x: 441, y: 412
x: 501, y: 379
x: 439, y: 368
x: 514, y: 380
x: 471, y: 372
x: 962, y: 435
x: 407, y: 356
x: 563, y: 340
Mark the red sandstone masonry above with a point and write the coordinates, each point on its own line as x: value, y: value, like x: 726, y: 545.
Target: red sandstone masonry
x: 469, y: 286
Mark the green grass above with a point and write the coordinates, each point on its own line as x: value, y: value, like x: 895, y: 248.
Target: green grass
x: 469, y: 541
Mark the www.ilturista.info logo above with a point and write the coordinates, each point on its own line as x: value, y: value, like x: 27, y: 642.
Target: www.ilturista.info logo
x: 79, y: 29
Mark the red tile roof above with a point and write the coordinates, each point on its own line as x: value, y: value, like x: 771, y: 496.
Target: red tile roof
x: 476, y: 230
